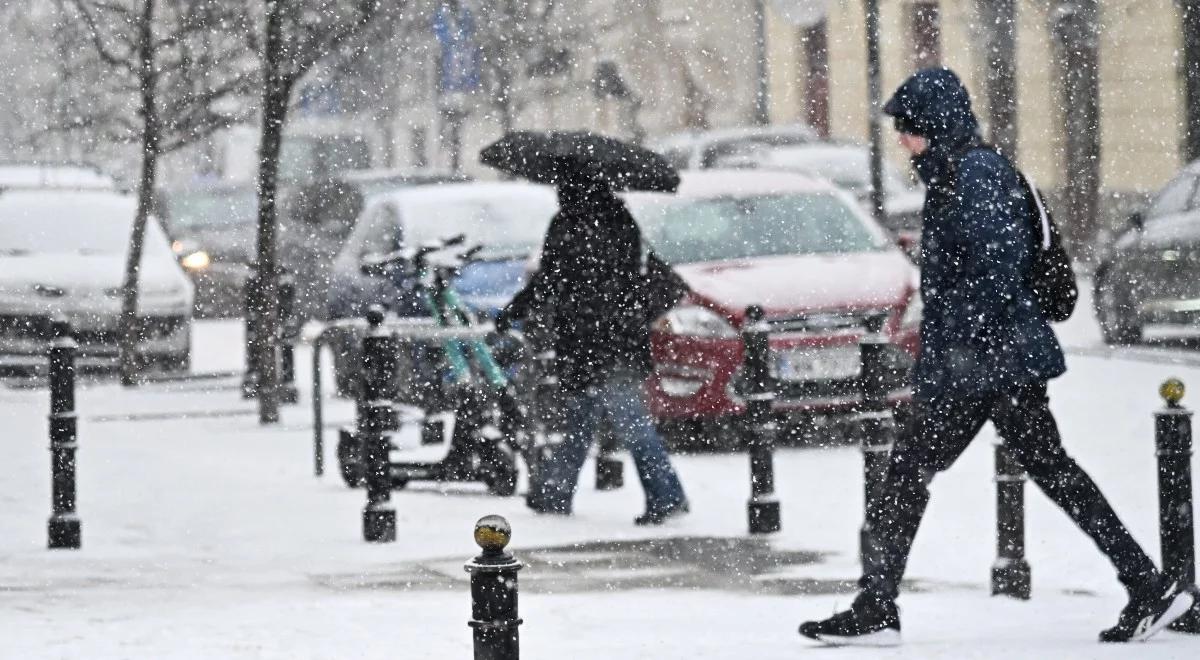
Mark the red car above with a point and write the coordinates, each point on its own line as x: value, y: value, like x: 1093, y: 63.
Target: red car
x: 824, y: 272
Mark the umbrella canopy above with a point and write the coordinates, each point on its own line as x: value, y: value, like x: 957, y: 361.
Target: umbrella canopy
x: 557, y: 156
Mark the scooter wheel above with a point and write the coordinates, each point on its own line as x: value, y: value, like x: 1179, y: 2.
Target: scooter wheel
x: 501, y: 484
x: 350, y: 461
x: 500, y: 475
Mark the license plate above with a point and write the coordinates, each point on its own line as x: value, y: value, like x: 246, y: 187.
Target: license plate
x: 803, y: 364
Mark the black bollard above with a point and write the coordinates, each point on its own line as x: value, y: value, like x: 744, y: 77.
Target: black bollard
x: 759, y: 422
x: 609, y: 468
x: 289, y: 331
x: 1173, y: 441
x: 878, y: 423
x: 64, y: 531
x: 1010, y: 574
x: 251, y: 309
x: 494, y: 618
x: 379, y: 372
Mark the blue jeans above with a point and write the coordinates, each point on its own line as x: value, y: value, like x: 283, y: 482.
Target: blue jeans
x: 621, y: 398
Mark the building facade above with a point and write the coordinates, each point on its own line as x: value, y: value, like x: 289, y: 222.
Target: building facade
x: 1140, y: 83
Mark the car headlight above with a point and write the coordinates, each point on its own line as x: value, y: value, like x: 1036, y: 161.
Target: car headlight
x: 912, y: 313
x: 198, y: 260
x: 695, y: 321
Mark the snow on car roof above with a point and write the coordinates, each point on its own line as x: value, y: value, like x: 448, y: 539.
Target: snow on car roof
x: 99, y: 204
x: 459, y: 191
x: 693, y: 139
x: 37, y: 221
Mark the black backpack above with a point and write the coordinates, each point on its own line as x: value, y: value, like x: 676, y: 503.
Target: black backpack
x: 1051, y: 276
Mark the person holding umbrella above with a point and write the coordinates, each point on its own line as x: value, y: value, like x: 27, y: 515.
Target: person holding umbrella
x: 602, y: 291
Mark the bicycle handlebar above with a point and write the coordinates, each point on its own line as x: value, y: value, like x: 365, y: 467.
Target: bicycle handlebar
x: 415, y: 256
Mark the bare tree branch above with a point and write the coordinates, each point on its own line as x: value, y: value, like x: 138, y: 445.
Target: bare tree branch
x: 116, y: 60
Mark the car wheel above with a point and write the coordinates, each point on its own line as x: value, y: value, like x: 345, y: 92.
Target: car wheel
x: 349, y: 454
x: 500, y: 474
x: 1118, y: 324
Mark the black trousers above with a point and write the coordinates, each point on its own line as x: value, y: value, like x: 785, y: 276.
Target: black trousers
x: 940, y: 432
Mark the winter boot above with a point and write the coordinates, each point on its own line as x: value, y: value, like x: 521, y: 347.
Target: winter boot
x: 870, y: 621
x: 1153, y: 605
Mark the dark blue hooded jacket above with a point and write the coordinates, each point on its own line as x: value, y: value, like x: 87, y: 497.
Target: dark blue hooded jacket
x: 982, y: 331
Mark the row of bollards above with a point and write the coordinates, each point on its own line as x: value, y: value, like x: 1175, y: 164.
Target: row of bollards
x: 494, y: 591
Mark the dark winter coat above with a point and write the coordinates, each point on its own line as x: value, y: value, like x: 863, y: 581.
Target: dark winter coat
x: 982, y: 331
x: 590, y: 279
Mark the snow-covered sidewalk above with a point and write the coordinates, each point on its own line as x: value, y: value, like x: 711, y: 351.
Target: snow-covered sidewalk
x: 208, y: 537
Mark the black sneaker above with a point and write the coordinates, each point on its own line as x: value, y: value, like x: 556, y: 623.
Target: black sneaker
x: 868, y: 622
x: 1153, y: 606
x: 658, y: 516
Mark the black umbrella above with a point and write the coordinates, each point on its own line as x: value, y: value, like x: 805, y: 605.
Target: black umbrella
x: 557, y: 156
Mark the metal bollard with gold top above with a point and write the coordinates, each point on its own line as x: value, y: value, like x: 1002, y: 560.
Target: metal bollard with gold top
x: 494, y: 592
x: 1176, y: 517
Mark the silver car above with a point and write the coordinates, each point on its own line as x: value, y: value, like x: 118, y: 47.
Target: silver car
x: 62, y: 253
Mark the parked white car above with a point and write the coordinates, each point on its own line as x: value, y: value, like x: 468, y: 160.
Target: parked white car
x: 62, y: 253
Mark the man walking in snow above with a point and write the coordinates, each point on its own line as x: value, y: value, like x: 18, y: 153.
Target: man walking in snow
x: 987, y: 352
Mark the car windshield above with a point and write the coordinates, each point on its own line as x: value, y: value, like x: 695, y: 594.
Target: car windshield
x: 721, y: 228
x: 509, y: 227
x: 69, y: 224
x: 199, y: 209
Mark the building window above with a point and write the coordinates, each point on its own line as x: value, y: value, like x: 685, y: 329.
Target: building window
x: 925, y: 28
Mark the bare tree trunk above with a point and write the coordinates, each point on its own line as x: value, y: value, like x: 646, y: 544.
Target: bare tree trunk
x: 762, y: 72
x: 816, y: 77
x: 1076, y: 31
x: 999, y: 20
x: 1189, y: 11
x: 151, y: 134
x: 276, y: 94
x: 874, y: 106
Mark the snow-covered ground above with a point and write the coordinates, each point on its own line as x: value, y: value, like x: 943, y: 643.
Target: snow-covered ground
x: 206, y: 536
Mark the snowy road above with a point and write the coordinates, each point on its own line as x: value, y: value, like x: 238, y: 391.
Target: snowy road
x: 208, y: 537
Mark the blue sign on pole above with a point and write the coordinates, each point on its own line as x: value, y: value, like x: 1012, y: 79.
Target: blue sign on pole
x: 454, y: 28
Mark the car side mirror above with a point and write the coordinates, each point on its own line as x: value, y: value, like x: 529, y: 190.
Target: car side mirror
x: 1137, y: 220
